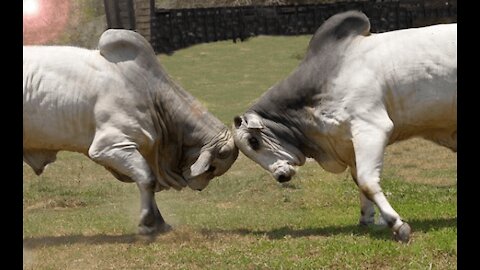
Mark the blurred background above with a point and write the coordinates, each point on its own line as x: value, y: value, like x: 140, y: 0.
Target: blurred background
x: 63, y: 22
x: 81, y: 22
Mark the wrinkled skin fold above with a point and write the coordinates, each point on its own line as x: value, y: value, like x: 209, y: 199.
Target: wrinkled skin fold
x: 353, y: 94
x: 119, y: 107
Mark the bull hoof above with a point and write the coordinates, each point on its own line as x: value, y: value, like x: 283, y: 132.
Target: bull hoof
x: 158, y: 229
x: 164, y: 227
x: 365, y: 224
x: 403, y: 233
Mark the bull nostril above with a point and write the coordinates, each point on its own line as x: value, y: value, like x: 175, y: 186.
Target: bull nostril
x: 284, y: 178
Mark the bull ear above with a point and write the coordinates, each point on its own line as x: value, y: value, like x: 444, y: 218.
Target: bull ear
x: 201, y: 165
x: 237, y: 120
x: 255, y: 122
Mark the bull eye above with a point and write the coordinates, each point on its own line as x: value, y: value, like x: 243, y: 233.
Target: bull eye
x: 211, y: 168
x: 254, y: 144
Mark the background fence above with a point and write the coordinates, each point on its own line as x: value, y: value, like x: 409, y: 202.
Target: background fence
x: 178, y: 28
x: 172, y: 29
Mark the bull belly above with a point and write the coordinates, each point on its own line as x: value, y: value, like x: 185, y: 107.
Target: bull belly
x: 51, y: 135
x: 442, y: 131
x: 424, y: 106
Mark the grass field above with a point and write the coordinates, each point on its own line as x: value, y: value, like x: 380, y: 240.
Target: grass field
x: 77, y: 216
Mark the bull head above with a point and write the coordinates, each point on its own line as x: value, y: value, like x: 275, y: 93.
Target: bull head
x: 256, y: 139
x: 213, y: 161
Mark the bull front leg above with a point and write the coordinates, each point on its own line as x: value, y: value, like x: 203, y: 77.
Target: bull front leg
x: 151, y: 221
x: 369, y: 142
x: 367, y: 208
x: 125, y: 159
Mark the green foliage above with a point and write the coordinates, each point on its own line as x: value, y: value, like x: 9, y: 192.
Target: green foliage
x: 86, y: 23
x: 77, y: 216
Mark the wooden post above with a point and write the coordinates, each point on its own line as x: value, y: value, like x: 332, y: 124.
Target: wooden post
x: 112, y: 14
x: 120, y: 14
x: 131, y: 15
x: 144, y: 10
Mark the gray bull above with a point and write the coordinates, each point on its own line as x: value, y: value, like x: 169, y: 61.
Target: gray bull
x: 118, y: 106
x: 353, y: 94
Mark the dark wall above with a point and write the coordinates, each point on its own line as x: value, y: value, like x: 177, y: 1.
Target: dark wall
x: 174, y: 29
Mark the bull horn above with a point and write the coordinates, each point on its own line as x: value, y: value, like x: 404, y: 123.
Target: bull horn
x: 201, y: 165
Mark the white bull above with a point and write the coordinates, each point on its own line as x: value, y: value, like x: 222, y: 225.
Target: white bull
x: 353, y: 94
x: 119, y: 107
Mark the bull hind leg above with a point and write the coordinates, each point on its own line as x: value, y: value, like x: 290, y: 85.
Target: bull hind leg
x: 39, y: 159
x: 125, y: 160
x: 369, y: 144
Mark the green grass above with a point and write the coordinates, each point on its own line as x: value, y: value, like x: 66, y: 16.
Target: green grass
x: 228, y: 77
x: 77, y: 216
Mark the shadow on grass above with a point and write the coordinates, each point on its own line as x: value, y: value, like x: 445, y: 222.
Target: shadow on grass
x: 279, y: 233
x: 99, y: 239
x: 374, y: 231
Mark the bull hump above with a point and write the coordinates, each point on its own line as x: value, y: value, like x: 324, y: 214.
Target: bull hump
x: 118, y: 45
x: 339, y: 27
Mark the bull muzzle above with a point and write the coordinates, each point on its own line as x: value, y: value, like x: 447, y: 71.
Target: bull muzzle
x: 282, y: 171
x: 282, y: 178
